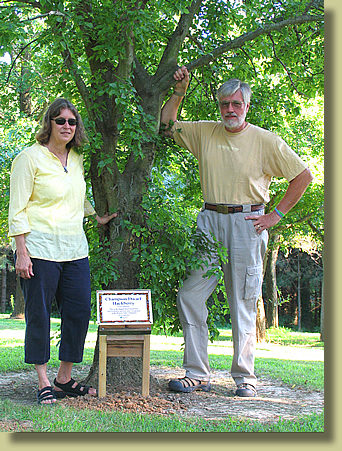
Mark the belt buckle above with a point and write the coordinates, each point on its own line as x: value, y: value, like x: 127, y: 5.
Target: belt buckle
x: 222, y: 209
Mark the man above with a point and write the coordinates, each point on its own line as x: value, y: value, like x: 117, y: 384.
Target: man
x: 236, y: 163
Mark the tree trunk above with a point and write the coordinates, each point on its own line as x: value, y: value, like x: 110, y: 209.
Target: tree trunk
x: 3, y: 288
x: 123, y: 192
x: 322, y: 302
x: 307, y: 316
x: 261, y: 321
x: 124, y: 372
x: 299, y: 300
x: 271, y: 282
x: 24, y: 91
x: 19, y: 303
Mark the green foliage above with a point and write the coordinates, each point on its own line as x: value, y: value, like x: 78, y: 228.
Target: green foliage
x: 305, y: 135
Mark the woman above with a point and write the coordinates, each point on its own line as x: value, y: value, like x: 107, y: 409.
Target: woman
x: 47, y: 207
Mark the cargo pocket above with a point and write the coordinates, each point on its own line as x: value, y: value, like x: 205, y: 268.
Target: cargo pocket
x: 253, y: 281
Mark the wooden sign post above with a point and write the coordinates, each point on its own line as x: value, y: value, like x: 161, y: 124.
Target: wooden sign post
x: 125, y: 319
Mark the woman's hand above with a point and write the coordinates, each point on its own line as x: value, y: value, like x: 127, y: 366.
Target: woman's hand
x: 23, y: 263
x: 23, y: 266
x: 103, y: 220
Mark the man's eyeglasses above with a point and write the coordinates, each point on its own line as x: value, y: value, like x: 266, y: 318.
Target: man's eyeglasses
x: 236, y: 104
x: 62, y: 121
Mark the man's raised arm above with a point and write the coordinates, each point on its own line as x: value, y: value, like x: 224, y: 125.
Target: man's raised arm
x: 170, y: 109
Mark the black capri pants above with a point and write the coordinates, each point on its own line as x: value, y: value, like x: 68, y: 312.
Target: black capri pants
x: 69, y: 282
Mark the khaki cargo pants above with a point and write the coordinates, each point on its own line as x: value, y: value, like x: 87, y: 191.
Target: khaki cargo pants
x: 243, y: 280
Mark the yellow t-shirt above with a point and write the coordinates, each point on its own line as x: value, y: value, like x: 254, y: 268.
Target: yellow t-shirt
x: 237, y: 168
x: 48, y: 204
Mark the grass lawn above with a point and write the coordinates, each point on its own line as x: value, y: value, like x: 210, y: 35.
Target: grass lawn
x: 293, y: 358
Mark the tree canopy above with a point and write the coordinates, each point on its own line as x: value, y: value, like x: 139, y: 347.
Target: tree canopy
x: 115, y: 60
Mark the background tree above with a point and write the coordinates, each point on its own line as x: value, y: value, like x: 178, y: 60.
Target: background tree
x: 115, y: 60
x: 304, y: 133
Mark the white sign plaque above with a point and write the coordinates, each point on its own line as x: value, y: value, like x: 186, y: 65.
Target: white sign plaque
x: 124, y: 307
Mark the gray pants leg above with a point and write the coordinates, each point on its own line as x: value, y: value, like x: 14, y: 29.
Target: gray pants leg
x: 243, y: 279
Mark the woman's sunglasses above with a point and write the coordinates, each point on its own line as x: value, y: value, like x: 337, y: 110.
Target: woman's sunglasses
x: 62, y: 121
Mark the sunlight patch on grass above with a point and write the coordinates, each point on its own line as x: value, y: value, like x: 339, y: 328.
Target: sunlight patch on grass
x: 9, y: 334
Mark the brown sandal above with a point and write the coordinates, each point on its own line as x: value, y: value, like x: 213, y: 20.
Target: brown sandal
x: 187, y: 385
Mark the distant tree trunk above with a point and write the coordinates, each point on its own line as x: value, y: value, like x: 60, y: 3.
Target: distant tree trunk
x: 261, y: 316
x: 19, y: 303
x: 317, y: 309
x: 24, y: 94
x: 3, y: 287
x: 322, y: 302
x: 307, y: 316
x: 271, y: 282
x: 261, y: 321
x: 299, y: 300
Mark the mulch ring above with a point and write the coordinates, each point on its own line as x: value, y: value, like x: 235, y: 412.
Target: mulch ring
x: 128, y: 402
x: 274, y: 400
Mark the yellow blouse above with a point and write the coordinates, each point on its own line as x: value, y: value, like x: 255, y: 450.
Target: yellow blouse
x: 48, y: 204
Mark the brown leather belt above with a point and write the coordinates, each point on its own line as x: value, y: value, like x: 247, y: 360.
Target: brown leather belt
x: 231, y: 209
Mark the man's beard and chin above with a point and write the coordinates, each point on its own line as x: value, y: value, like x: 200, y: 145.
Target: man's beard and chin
x: 232, y: 121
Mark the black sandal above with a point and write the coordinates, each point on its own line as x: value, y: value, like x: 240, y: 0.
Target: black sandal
x: 46, y: 394
x: 187, y: 385
x: 69, y: 390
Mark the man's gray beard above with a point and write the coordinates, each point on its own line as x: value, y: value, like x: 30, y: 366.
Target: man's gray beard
x: 232, y: 123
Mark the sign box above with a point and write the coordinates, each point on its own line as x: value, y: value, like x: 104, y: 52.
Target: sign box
x: 124, y: 307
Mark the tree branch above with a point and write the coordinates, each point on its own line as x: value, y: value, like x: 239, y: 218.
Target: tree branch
x: 315, y: 4
x: 15, y: 59
x: 251, y: 61
x: 124, y: 67
x: 318, y: 232
x: 41, y: 16
x: 285, y: 68
x: 81, y: 86
x: 169, y: 59
x: 250, y: 36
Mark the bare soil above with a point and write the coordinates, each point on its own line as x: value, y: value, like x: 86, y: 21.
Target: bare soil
x: 275, y: 400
